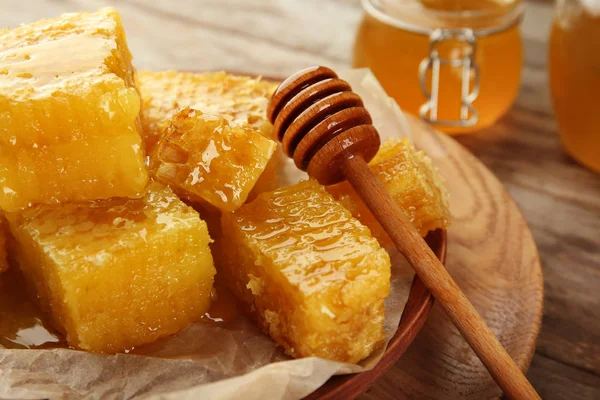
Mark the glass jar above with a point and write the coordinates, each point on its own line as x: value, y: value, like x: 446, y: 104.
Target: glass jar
x: 456, y: 63
x: 575, y: 78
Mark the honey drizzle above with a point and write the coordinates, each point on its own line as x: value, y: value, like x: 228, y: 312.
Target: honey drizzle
x: 224, y: 307
x: 22, y: 324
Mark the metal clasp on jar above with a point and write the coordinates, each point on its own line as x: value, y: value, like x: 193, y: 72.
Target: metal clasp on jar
x: 469, y: 69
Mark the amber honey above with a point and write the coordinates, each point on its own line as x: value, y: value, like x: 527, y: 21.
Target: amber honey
x: 22, y: 324
x: 224, y: 306
x: 575, y: 81
x: 395, y: 39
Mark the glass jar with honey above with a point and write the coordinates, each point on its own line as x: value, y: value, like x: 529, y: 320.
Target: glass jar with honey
x: 456, y: 63
x: 574, y: 66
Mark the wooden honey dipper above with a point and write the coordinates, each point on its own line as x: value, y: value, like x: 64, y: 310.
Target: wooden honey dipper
x: 326, y: 129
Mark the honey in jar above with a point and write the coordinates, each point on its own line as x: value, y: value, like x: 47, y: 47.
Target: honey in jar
x: 575, y: 78
x: 456, y: 63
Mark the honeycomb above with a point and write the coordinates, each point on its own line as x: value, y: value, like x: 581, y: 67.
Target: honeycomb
x: 117, y: 273
x: 204, y: 158
x: 69, y: 124
x: 413, y: 182
x: 241, y: 100
x: 310, y: 274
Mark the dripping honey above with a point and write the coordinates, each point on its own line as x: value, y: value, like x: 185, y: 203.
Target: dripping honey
x: 224, y: 307
x: 22, y: 324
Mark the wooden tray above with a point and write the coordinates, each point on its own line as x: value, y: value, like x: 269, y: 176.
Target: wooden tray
x: 494, y: 259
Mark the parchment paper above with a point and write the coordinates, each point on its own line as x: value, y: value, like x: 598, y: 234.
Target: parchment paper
x: 206, y: 361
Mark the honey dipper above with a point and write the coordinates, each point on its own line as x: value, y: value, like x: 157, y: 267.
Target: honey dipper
x: 326, y: 129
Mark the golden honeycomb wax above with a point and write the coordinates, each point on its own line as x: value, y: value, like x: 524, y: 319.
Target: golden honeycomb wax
x: 69, y: 110
x: 311, y: 275
x: 205, y: 158
x: 242, y: 100
x: 413, y: 182
x: 118, y: 273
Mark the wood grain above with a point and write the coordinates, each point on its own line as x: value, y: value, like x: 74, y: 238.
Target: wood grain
x: 559, y: 199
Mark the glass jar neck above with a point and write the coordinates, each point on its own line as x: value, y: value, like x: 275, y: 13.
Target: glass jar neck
x: 419, y: 17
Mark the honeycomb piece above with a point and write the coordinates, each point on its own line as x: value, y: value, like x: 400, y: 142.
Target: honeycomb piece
x: 68, y: 112
x: 205, y: 158
x: 412, y: 181
x: 117, y: 273
x: 311, y: 275
x: 240, y: 99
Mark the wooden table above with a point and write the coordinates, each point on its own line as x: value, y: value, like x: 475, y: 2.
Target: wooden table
x: 560, y: 199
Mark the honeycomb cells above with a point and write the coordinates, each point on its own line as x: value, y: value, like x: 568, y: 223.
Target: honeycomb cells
x: 117, y: 273
x: 239, y: 99
x: 412, y: 181
x: 313, y: 276
x: 206, y: 159
x: 70, y: 124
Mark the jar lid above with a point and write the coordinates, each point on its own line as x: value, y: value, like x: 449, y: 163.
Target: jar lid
x: 424, y: 16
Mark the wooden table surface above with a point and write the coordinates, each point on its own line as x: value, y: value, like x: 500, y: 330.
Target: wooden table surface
x: 559, y: 199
